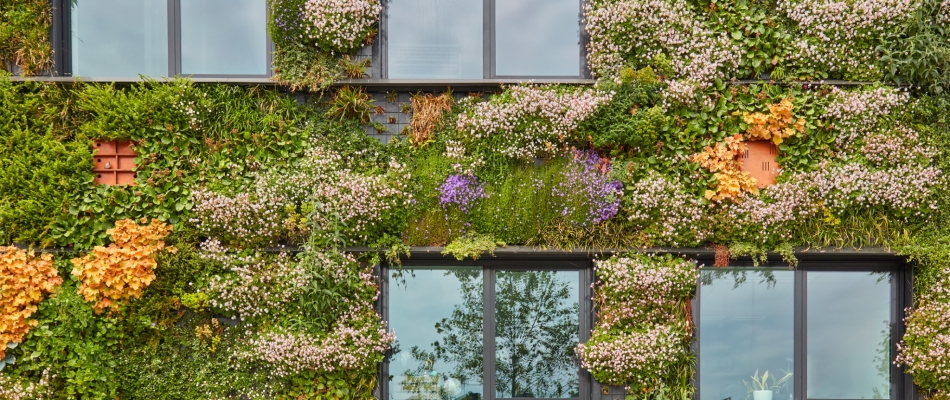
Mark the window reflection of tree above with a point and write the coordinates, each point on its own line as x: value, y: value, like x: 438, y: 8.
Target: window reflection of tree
x: 740, y: 276
x: 461, y: 347
x: 536, y: 332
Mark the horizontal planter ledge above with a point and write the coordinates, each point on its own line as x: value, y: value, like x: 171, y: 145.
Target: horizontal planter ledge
x: 405, y: 84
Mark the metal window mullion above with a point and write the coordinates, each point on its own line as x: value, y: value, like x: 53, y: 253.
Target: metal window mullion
x: 694, y: 345
x: 800, y: 332
x: 62, y: 38
x: 488, y: 39
x: 583, y: 40
x: 383, y: 307
x: 488, y: 332
x: 585, y: 324
x: 174, y: 38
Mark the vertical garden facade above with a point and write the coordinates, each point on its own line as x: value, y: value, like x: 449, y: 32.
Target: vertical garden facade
x: 475, y: 199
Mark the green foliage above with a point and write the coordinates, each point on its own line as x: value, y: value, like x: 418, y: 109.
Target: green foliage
x: 922, y: 56
x: 44, y: 163
x: 75, y: 345
x: 632, y: 121
x: 181, y: 144
x: 24, y: 36
x: 472, y: 245
x: 351, y: 103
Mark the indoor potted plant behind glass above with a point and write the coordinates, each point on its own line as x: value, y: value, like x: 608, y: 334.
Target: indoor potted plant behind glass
x: 761, y: 387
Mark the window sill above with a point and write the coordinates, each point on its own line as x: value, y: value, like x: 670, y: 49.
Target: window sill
x: 386, y: 84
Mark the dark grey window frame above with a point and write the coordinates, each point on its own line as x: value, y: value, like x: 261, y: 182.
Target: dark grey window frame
x: 902, y: 385
x: 488, y: 41
x: 61, y: 37
x: 489, y: 266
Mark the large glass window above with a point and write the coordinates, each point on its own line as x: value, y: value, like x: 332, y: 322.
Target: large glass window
x: 537, y: 38
x: 446, y: 39
x: 473, y: 332
x: 849, y: 341
x: 437, y: 317
x: 215, y: 38
x: 747, y: 321
x: 435, y: 39
x: 119, y: 38
x: 128, y: 38
x: 821, y: 334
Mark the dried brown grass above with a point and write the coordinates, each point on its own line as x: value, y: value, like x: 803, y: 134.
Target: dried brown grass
x: 427, y: 113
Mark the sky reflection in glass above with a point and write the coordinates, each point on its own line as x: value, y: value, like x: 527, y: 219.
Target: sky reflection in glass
x: 537, y: 37
x: 848, y: 335
x: 224, y: 37
x: 746, y: 323
x: 435, y: 39
x: 437, y: 317
x: 536, y: 327
x: 119, y: 38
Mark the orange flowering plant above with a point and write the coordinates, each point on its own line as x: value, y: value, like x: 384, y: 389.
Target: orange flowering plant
x: 777, y: 125
x: 123, y: 269
x: 722, y: 159
x: 24, y: 280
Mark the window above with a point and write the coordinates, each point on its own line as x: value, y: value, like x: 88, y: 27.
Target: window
x: 125, y: 38
x: 453, y: 39
x: 830, y: 330
x: 493, y: 331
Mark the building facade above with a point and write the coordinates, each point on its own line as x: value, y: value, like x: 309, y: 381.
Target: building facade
x: 474, y: 199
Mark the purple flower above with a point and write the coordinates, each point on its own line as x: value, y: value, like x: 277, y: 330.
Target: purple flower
x: 587, y: 186
x: 462, y: 191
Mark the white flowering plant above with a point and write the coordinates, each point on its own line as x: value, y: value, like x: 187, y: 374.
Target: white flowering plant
x: 643, y: 330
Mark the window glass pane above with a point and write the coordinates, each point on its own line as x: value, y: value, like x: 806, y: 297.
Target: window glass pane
x: 848, y: 324
x: 537, y: 37
x: 435, y: 39
x: 536, y: 327
x: 437, y: 317
x: 746, y: 327
x: 119, y: 38
x: 224, y: 37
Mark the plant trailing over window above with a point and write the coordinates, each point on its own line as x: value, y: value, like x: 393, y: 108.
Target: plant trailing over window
x: 641, y: 338
x: 113, y: 274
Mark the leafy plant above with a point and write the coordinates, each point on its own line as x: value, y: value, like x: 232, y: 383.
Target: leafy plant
x: 766, y: 381
x: 113, y: 274
x: 351, y: 103
x: 24, y: 280
x: 472, y: 245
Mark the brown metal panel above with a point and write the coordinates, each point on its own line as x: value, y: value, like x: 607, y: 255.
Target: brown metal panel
x: 124, y: 147
x: 126, y: 163
x: 105, y: 178
x: 759, y: 161
x: 125, y: 178
x: 106, y: 148
x: 102, y: 163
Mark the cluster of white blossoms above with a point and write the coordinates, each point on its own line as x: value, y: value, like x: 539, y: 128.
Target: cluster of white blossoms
x: 340, y: 25
x: 645, y: 29
x: 529, y: 121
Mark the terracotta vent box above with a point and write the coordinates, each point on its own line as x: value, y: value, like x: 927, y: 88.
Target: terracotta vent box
x: 114, y: 162
x: 759, y: 161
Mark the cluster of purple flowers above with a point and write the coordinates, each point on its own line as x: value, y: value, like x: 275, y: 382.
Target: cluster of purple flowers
x: 461, y: 191
x: 588, y: 192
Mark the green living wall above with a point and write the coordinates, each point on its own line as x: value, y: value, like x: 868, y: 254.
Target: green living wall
x: 222, y: 273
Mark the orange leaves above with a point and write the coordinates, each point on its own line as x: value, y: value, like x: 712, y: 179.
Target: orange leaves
x: 123, y: 269
x: 775, y: 126
x: 722, y: 159
x: 24, y: 280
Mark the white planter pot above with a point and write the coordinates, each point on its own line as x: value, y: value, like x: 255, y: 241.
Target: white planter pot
x: 762, y: 395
